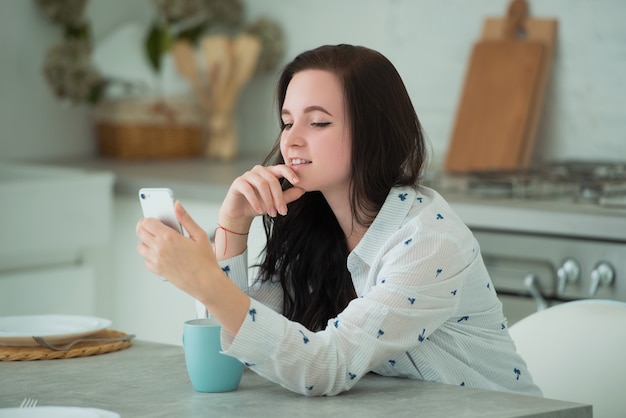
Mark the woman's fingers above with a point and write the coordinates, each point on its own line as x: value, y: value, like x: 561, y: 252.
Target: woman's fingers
x: 269, y: 190
x: 284, y: 197
x: 245, y: 187
x: 146, y: 231
x: 193, y: 229
x: 292, y: 194
x: 262, y: 189
x: 153, y: 235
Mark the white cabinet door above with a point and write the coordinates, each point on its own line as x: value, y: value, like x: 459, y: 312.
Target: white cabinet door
x: 66, y: 290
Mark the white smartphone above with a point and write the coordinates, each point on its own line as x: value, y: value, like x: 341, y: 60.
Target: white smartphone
x: 158, y: 203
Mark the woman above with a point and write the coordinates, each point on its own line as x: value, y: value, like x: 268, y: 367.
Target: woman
x: 364, y: 269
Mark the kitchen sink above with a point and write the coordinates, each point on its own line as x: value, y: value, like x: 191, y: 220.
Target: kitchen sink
x: 49, y: 215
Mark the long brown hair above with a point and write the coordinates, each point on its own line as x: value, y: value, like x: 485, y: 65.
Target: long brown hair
x: 306, y: 250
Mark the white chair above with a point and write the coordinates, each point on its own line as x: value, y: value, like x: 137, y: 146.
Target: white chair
x: 576, y: 351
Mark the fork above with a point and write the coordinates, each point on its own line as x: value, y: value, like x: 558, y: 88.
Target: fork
x: 29, y: 403
x: 67, y: 346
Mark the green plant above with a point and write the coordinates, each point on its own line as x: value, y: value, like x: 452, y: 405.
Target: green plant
x: 191, y: 19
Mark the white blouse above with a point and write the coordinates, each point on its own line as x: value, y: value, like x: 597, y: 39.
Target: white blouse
x: 426, y: 309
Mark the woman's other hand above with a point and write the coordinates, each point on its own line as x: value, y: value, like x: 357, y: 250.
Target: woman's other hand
x: 258, y: 192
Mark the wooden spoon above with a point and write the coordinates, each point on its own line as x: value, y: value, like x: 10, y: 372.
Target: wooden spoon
x: 185, y: 61
x: 245, y: 54
x: 217, y: 56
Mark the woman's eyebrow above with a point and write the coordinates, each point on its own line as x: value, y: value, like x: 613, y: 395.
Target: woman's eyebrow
x: 308, y: 109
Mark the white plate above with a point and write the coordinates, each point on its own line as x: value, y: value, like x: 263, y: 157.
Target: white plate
x: 57, y: 412
x: 19, y: 330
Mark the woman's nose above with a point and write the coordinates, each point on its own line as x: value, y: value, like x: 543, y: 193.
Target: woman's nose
x: 293, y: 136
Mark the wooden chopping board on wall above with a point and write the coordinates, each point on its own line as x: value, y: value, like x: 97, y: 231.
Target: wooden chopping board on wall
x: 503, y: 93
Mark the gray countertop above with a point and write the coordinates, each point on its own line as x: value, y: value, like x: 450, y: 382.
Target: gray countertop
x: 150, y: 380
x: 195, y: 178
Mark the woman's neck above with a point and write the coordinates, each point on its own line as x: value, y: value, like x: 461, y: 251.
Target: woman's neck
x: 340, y: 205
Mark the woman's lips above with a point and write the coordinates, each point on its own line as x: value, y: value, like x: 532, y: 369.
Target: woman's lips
x: 298, y: 161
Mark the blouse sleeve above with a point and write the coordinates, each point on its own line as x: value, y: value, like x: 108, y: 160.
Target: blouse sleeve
x: 236, y: 269
x: 417, y: 282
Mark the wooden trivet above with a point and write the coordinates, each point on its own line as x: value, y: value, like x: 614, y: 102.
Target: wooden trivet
x: 82, y: 349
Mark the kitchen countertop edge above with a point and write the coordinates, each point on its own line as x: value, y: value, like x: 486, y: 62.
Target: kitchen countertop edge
x: 209, y: 180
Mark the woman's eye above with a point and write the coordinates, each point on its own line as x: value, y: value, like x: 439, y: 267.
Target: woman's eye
x: 288, y: 125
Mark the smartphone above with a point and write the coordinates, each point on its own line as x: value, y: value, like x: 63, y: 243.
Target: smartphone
x: 158, y: 203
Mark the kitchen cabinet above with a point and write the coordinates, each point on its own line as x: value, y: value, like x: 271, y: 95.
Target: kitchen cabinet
x: 68, y: 289
x: 54, y: 238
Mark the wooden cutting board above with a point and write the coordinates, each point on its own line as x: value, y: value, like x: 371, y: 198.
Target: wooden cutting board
x: 503, y: 92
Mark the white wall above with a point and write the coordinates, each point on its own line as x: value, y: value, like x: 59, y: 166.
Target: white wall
x: 428, y: 40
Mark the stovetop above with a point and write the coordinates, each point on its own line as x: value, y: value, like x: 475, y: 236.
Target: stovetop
x: 577, y: 182
x: 576, y: 199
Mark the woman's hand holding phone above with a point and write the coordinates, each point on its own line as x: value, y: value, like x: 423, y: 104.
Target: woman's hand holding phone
x: 167, y: 253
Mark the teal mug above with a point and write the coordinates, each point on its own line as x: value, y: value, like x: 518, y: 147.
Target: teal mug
x: 209, y: 370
